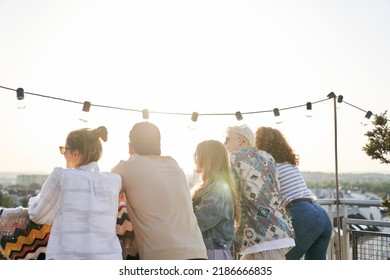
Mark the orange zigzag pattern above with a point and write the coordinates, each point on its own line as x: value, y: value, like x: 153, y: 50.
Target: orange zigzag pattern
x: 29, y: 239
x: 3, y: 255
x: 31, y: 251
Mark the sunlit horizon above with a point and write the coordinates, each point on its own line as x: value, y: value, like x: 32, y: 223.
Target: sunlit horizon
x: 184, y: 57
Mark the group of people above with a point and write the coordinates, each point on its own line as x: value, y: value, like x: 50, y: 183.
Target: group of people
x: 250, y: 203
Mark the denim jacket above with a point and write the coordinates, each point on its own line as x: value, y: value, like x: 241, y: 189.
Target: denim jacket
x: 213, y: 207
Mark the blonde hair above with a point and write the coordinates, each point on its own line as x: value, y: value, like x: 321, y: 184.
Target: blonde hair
x: 87, y: 142
x: 212, y: 157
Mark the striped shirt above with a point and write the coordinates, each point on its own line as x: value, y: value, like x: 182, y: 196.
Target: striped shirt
x: 292, y: 183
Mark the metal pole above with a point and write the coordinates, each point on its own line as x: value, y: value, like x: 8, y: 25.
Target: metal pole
x: 337, y: 177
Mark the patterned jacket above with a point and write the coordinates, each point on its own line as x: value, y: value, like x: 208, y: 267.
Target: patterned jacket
x: 264, y: 222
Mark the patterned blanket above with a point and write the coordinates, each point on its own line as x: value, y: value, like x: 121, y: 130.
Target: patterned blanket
x: 21, y: 238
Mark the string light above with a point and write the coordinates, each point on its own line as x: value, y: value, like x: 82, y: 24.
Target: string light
x: 278, y: 119
x: 20, y: 102
x: 339, y: 101
x: 366, y: 120
x: 84, y: 112
x: 239, y: 116
x: 145, y: 114
x: 86, y: 106
x: 309, y: 112
x: 194, y: 116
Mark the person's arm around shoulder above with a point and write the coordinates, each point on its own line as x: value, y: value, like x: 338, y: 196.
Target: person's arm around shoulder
x: 43, y: 208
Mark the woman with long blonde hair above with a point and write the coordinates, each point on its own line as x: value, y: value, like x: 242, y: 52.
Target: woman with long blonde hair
x: 215, y: 200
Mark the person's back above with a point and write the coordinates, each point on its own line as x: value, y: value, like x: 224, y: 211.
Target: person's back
x: 265, y: 231
x: 312, y: 225
x: 261, y: 203
x: 81, y: 204
x: 85, y: 226
x: 215, y: 199
x: 160, y: 207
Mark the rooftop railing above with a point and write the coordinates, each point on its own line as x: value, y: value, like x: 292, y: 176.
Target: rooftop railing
x: 353, y: 242
x: 20, y: 238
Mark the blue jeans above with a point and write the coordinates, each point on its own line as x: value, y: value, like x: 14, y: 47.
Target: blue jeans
x: 313, y: 230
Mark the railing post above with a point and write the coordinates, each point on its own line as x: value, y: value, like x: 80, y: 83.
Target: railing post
x: 346, y: 246
x: 331, y: 252
x: 354, y: 245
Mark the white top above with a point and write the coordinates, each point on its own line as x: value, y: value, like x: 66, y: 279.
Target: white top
x: 292, y: 183
x: 81, y: 205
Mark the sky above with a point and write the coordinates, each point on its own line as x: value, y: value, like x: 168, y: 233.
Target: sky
x: 179, y: 57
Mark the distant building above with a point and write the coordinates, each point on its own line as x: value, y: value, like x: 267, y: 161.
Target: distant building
x: 27, y: 180
x: 7, y: 179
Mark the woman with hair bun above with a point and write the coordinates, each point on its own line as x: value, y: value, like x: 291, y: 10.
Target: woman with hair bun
x: 80, y: 202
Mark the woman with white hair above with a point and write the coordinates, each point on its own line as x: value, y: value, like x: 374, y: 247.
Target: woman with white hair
x: 265, y: 231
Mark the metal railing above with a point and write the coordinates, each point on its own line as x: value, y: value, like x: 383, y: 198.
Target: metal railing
x: 355, y: 244
x: 347, y: 243
x: 368, y: 245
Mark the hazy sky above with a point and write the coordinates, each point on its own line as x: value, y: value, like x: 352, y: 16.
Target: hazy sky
x: 184, y: 56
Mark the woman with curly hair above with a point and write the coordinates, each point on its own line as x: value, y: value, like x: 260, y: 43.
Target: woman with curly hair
x: 313, y: 228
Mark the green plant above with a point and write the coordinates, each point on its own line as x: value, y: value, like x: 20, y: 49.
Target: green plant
x: 378, y: 146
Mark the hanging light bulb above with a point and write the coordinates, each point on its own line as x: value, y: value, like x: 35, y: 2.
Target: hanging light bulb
x: 84, y: 113
x: 194, y: 116
x: 238, y: 116
x: 145, y: 114
x: 339, y: 101
x: 20, y: 101
x: 278, y: 118
x: 366, y: 120
x: 331, y: 95
x: 309, y: 112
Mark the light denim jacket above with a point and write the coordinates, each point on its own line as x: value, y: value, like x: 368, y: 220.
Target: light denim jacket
x: 213, y: 208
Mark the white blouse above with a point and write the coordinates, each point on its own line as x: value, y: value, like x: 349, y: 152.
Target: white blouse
x: 81, y: 205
